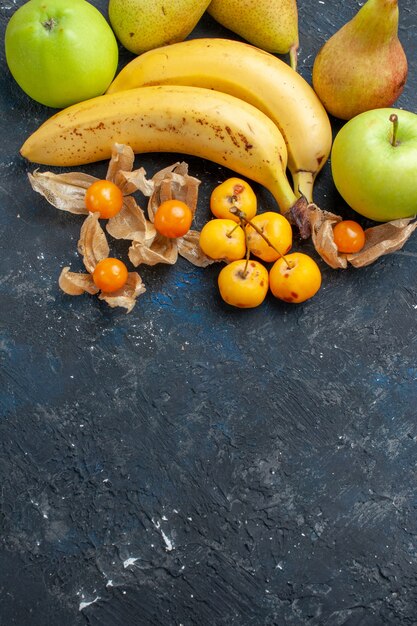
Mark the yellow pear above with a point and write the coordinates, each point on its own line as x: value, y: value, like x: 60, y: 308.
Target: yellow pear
x: 363, y: 65
x: 141, y: 25
x: 268, y: 24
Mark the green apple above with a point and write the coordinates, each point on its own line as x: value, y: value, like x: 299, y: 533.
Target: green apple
x: 374, y: 164
x: 61, y: 51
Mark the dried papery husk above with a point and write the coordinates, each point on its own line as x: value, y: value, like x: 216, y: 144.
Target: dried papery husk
x: 162, y: 250
x: 379, y: 240
x: 383, y: 239
x: 322, y: 223
x: 148, y: 247
x: 65, y: 192
x: 299, y: 216
x: 126, y: 296
x: 180, y: 168
x: 129, y: 182
x: 131, y: 224
x: 174, y: 182
x: 94, y: 247
x: 189, y: 248
x: 75, y: 283
x: 122, y: 158
x: 92, y: 244
x: 120, y: 172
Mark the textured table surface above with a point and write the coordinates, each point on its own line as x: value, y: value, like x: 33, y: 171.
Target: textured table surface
x: 194, y: 464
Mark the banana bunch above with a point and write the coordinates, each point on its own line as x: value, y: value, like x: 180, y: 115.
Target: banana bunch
x: 250, y: 74
x: 218, y: 99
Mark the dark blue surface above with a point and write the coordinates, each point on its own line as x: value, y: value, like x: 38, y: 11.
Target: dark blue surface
x: 194, y: 464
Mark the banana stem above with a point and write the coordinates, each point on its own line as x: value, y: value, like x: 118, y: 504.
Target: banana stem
x: 303, y: 182
x: 242, y: 217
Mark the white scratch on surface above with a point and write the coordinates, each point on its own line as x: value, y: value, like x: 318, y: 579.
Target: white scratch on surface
x: 130, y: 561
x: 84, y: 604
x: 168, y: 543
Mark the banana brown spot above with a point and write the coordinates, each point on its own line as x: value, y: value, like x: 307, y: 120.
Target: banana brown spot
x: 248, y: 146
x: 100, y: 126
x: 232, y: 137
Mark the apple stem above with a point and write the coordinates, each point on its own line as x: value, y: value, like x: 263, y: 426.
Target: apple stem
x: 241, y: 215
x: 394, y: 119
x: 50, y: 23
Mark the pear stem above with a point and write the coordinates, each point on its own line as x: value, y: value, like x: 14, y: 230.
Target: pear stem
x: 241, y: 215
x: 394, y: 119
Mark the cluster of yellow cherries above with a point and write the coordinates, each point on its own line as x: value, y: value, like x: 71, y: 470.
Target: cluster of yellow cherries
x: 237, y: 234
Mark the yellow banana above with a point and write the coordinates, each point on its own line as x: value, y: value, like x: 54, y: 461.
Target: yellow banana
x: 169, y: 118
x: 253, y: 75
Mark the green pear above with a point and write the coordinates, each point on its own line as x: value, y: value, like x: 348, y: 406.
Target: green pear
x: 268, y: 24
x: 141, y: 25
x: 363, y: 65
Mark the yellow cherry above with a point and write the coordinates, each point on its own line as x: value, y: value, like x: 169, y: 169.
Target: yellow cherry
x: 295, y: 278
x: 276, y: 228
x: 223, y: 239
x: 233, y: 192
x: 243, y: 284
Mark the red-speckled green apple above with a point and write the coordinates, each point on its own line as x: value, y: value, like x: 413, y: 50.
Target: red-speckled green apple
x: 61, y: 51
x: 374, y: 164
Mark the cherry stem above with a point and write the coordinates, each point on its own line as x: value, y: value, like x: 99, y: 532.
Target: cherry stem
x: 232, y: 231
x: 394, y: 119
x: 242, y: 217
x: 247, y: 255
